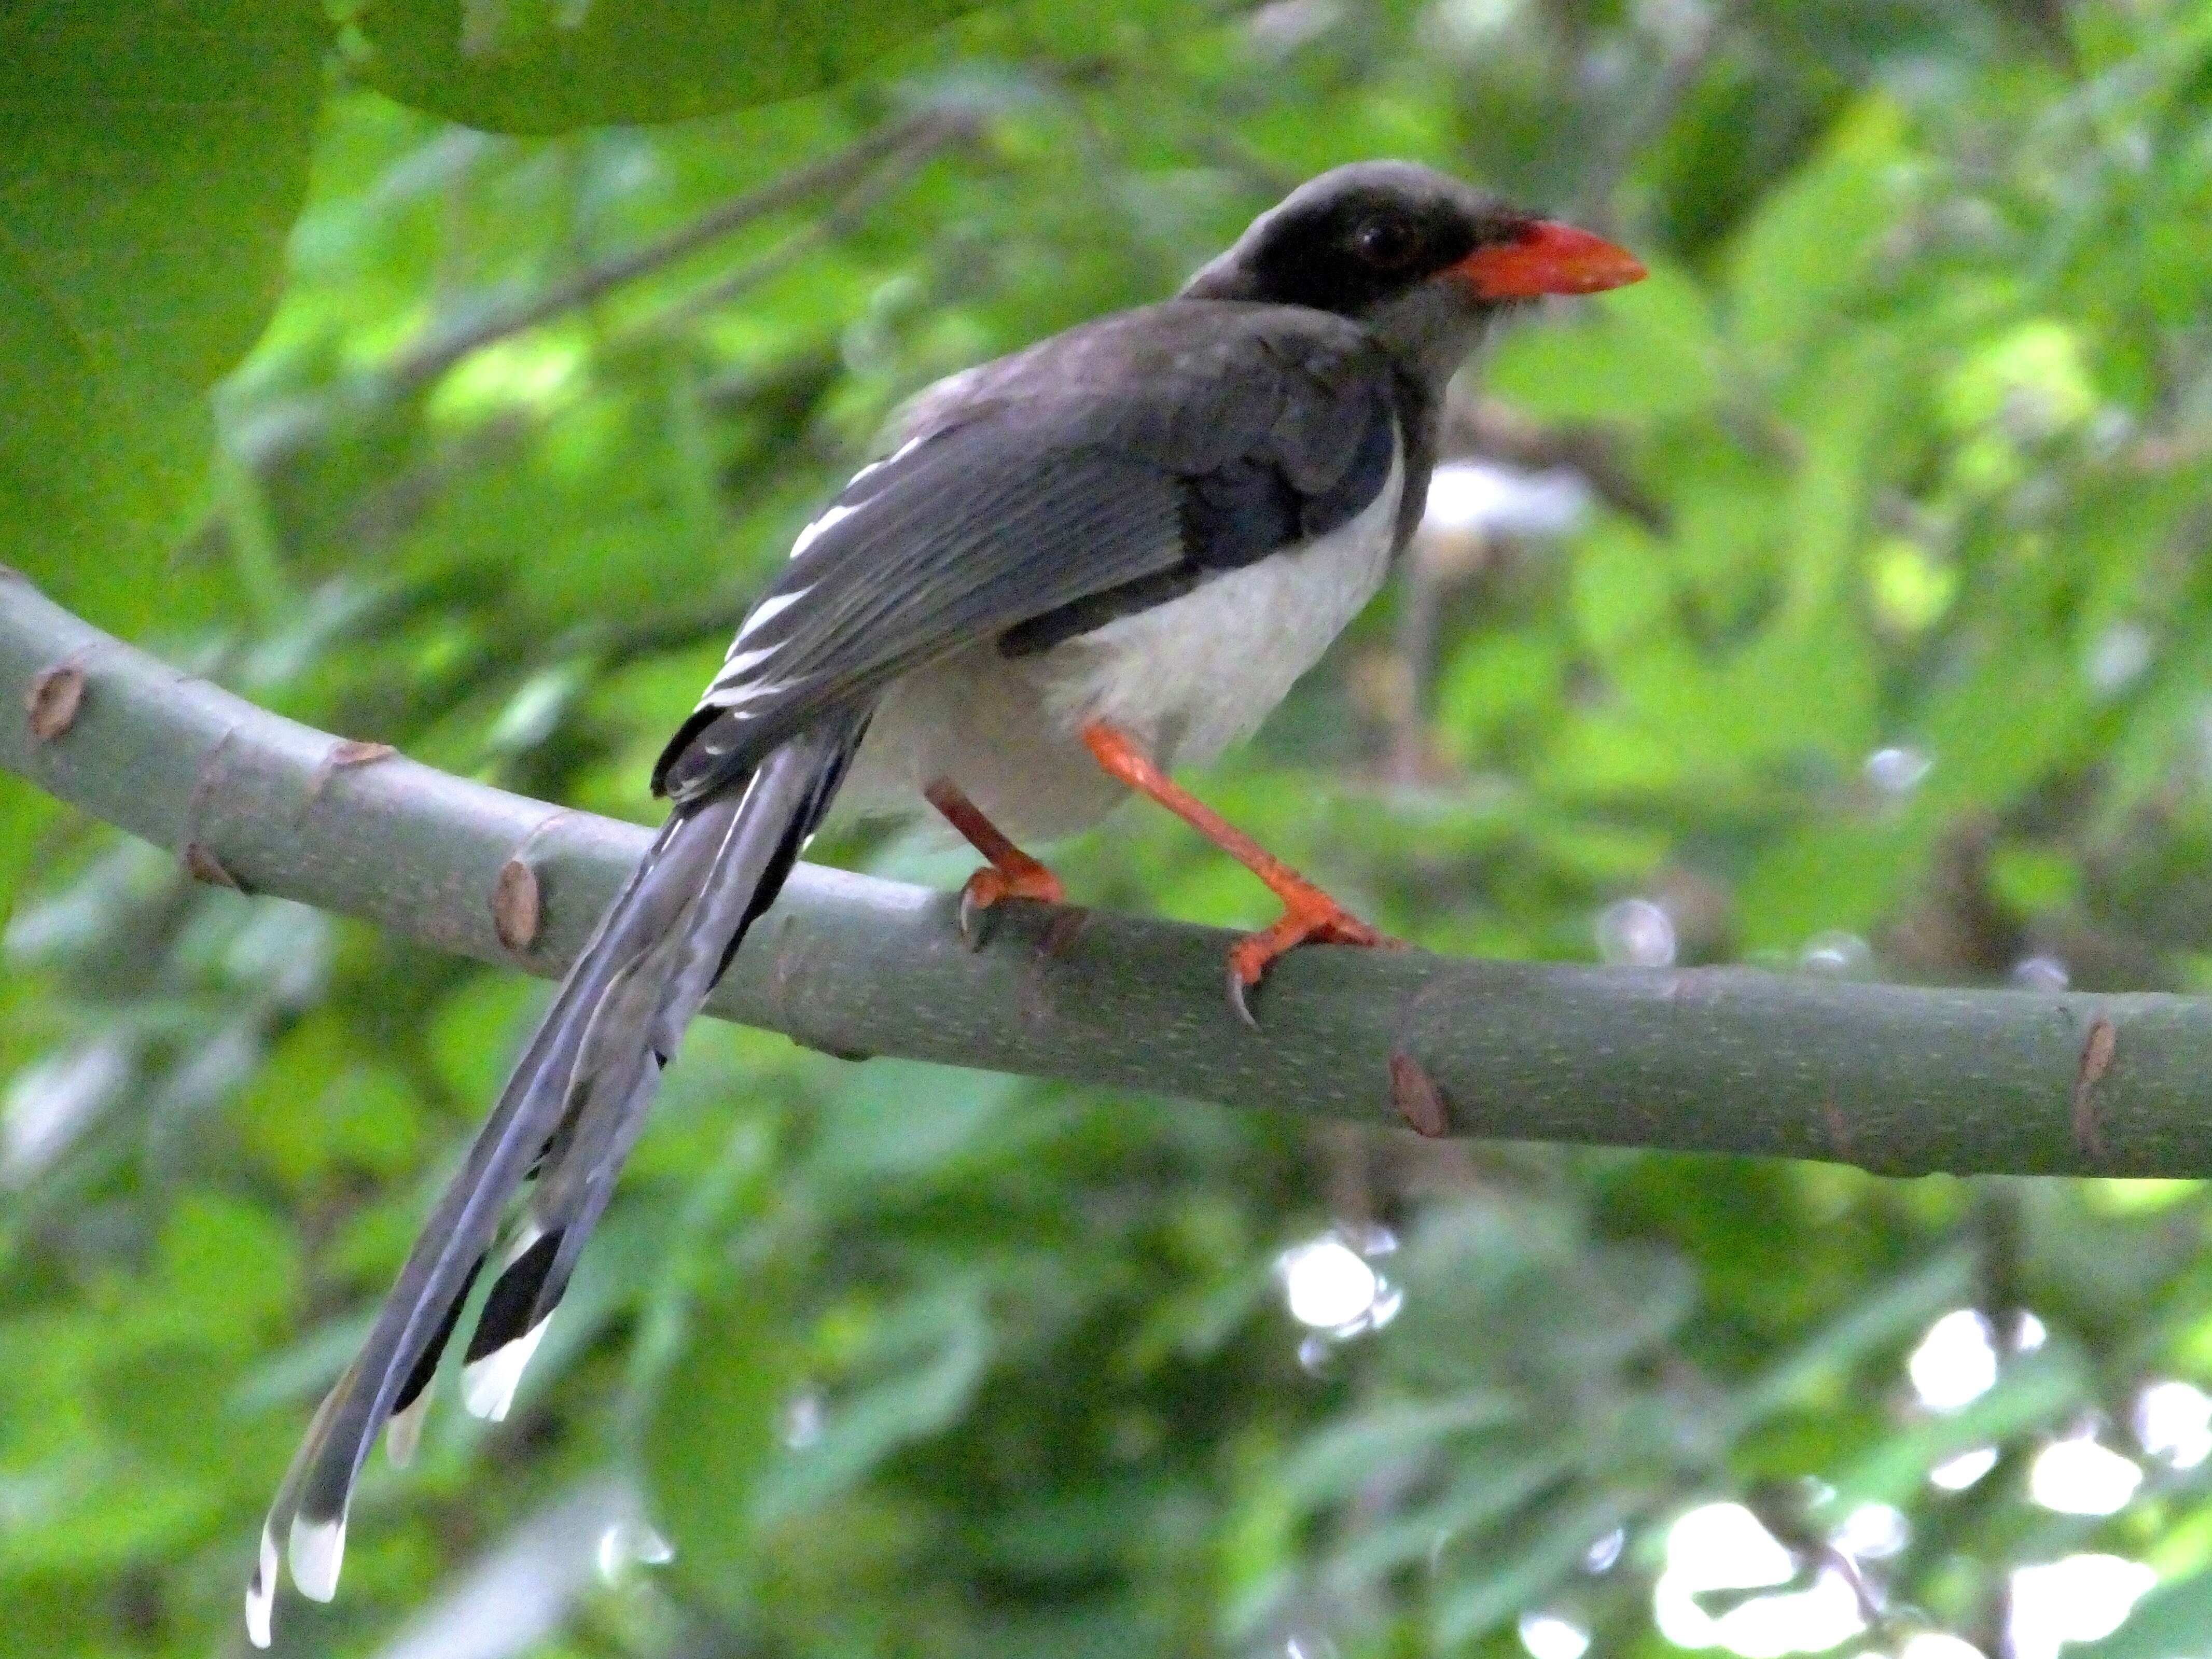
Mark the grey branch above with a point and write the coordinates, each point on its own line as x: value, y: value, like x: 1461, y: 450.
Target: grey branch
x: 1717, y: 1060
x: 917, y: 137
x: 858, y: 171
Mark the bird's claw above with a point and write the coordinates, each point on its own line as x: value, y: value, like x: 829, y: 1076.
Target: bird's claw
x: 974, y: 918
x: 991, y: 886
x: 1310, y: 917
x: 1238, y: 988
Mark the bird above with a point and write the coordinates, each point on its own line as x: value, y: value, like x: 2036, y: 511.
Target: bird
x: 1072, y: 570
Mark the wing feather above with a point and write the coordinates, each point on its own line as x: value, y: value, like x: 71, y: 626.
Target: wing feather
x: 1113, y: 467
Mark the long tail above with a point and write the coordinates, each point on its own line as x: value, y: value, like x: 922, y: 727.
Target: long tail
x: 568, y: 1115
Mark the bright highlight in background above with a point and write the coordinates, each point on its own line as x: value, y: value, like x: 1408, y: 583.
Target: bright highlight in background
x: 1955, y: 1363
x: 1635, y: 933
x: 1331, y: 1286
x: 2078, y: 1598
x: 1957, y: 1473
x: 1482, y: 498
x: 1720, y: 1546
x: 1327, y: 1284
x: 1939, y: 1645
x: 1873, y: 1532
x: 1547, y: 1635
x: 2080, y: 1477
x: 2173, y: 1421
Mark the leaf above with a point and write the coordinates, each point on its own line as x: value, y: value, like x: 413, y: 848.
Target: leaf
x: 1491, y: 1489
x: 712, y: 1430
x: 152, y: 158
x: 224, y: 1265
x: 1345, y: 1454
x: 2036, y: 1391
x: 1647, y: 351
x: 1622, y: 587
x: 932, y: 1354
x: 553, y: 65
x: 1813, y: 238
x: 1826, y: 505
x: 1512, y: 1582
x: 1824, y: 1361
x: 2172, y: 1619
x: 2000, y: 726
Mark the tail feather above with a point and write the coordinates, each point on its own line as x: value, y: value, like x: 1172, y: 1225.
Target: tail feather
x: 570, y: 1112
x: 403, y: 1428
x: 579, y: 1172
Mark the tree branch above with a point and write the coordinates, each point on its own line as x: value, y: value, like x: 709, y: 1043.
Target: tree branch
x: 917, y: 137
x: 271, y: 441
x: 1720, y: 1059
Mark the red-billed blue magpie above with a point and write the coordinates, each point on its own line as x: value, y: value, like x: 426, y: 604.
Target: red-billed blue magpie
x: 1076, y: 569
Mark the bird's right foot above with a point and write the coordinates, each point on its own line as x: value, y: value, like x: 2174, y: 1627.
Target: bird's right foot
x: 1010, y: 874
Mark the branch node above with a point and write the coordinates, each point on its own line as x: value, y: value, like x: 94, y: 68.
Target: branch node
x: 202, y: 865
x: 345, y: 752
x: 52, y: 701
x: 2097, y: 1049
x: 516, y: 910
x: 1417, y: 1097
x: 351, y: 752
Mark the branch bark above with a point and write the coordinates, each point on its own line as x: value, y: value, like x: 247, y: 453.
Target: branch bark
x: 1898, y: 1080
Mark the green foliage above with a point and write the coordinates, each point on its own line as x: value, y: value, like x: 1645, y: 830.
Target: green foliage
x: 151, y: 158
x: 1881, y: 648
x: 551, y: 66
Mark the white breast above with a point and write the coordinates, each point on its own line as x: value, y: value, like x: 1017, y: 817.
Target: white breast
x: 1193, y: 676
x: 1187, y: 679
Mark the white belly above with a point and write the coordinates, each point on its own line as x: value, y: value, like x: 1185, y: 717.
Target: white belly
x: 1187, y: 678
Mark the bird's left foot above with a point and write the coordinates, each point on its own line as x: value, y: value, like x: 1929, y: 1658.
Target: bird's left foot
x: 1309, y: 916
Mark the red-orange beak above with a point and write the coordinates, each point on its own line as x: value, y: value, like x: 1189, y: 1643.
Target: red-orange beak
x: 1548, y: 258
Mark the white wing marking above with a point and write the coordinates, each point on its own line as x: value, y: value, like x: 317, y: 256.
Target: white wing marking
x: 765, y: 611
x: 807, y: 536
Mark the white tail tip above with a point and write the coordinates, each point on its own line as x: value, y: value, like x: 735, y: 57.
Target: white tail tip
x: 404, y: 1433
x: 317, y: 1549
x: 261, y: 1592
x: 488, y: 1384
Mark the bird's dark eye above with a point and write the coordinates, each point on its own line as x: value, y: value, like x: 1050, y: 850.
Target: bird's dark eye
x: 1387, y: 242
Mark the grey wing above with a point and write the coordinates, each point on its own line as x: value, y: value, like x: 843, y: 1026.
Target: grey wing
x: 1169, y: 445
x: 952, y: 540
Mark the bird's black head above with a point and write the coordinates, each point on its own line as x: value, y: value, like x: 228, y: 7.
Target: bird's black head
x: 1418, y: 255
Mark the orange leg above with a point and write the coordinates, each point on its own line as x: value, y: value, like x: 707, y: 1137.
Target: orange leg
x: 1012, y: 874
x: 1309, y: 915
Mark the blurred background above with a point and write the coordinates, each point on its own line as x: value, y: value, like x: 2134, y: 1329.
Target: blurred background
x: 1838, y: 600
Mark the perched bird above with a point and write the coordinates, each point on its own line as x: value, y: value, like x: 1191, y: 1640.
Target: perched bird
x: 1080, y: 566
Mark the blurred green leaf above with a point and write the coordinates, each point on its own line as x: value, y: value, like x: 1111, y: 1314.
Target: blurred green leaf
x: 539, y: 66
x: 2172, y: 1619
x: 1648, y: 352
x: 1810, y: 245
x: 920, y: 1370
x: 1886, y: 621
x: 1330, y: 1466
x: 2036, y: 1391
x: 715, y: 1430
x: 152, y: 158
